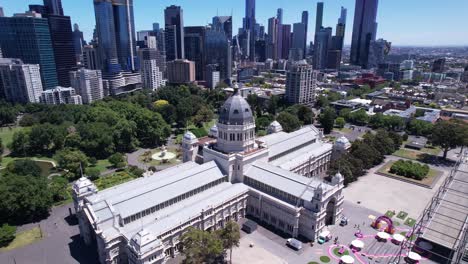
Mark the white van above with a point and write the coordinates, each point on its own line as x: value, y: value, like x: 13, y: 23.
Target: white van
x: 294, y: 243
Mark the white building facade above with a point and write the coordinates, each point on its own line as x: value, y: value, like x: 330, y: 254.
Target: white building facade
x: 60, y: 95
x: 301, y: 84
x: 87, y: 84
x: 224, y: 177
x: 19, y: 82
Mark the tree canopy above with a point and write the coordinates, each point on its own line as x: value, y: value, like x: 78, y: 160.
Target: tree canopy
x: 449, y: 135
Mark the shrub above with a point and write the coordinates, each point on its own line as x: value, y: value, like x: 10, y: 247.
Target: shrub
x: 409, y: 169
x: 7, y: 234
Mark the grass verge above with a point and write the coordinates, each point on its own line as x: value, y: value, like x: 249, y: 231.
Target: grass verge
x: 402, y: 215
x: 410, y: 222
x: 24, y: 238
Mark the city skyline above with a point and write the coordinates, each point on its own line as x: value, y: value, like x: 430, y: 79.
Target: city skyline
x: 400, y: 25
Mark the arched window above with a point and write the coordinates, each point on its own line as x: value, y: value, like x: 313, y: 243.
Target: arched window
x: 236, y: 111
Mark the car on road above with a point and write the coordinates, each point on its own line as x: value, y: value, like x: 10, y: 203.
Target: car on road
x: 323, y: 237
x: 294, y: 243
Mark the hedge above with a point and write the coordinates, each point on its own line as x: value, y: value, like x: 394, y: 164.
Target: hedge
x: 409, y: 169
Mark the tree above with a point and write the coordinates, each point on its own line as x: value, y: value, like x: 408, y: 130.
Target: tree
x: 23, y: 198
x: 72, y: 161
x: 273, y: 104
x: 448, y: 135
x: 289, y: 122
x: 7, y: 234
x: 92, y: 173
x: 359, y: 117
x: 340, y: 122
x: 322, y: 102
x: 20, y: 144
x: 41, y: 138
x: 327, y: 120
x: 58, y: 187
x: 1, y: 150
x: 230, y: 236
x: 200, y: 246
x: 24, y: 167
x: 117, y: 160
x: 420, y: 127
x: 204, y: 114
x: 262, y: 122
x: 366, y: 153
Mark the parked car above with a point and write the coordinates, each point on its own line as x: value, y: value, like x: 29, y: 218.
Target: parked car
x: 294, y: 243
x: 344, y: 221
x: 249, y: 226
x: 324, y: 237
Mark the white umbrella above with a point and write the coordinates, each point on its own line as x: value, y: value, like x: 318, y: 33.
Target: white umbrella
x: 347, y: 259
x: 414, y: 256
x: 398, y: 237
x: 357, y: 243
x: 383, y: 235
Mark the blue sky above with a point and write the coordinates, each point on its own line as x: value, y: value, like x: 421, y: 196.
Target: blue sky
x: 403, y: 22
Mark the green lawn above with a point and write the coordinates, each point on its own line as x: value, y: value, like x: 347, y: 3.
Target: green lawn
x: 24, y: 238
x: 103, y: 165
x: 6, y: 134
x: 402, y: 215
x: 428, y: 180
x: 407, y: 154
x: 344, y: 130
x: 42, y: 162
x: 410, y: 222
x: 390, y: 213
x: 113, y: 180
x: 325, y: 259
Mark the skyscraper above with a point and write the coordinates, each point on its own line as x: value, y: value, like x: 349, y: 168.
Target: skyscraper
x: 319, y: 17
x: 60, y: 95
x: 438, y: 65
x: 378, y: 50
x: 91, y: 58
x: 19, y: 82
x: 78, y: 42
x: 271, y: 50
x: 284, y: 41
x: 87, y: 84
x: 322, y: 45
x: 195, y: 50
x: 279, y: 15
x: 301, y: 83
x: 223, y: 23
x: 117, y: 46
x: 364, y: 31
x: 54, y: 7
x: 181, y: 71
x: 305, y: 21
x: 174, y: 23
x: 218, y: 51
x: 27, y: 37
x: 340, y: 29
x: 249, y: 26
x: 299, y: 37
x: 116, y: 33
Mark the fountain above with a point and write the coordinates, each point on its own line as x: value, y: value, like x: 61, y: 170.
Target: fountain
x: 163, y: 155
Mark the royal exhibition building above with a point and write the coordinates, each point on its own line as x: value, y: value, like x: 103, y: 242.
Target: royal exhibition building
x: 277, y: 179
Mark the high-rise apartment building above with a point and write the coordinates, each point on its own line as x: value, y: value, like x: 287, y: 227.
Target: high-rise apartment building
x: 60, y: 95
x: 364, y: 31
x: 438, y: 65
x: 301, y: 83
x: 27, y: 37
x: 151, y: 74
x: 174, y: 23
x: 195, y: 48
x: 378, y: 51
x: 212, y: 76
x: 87, y: 84
x: 19, y: 82
x: 181, y: 71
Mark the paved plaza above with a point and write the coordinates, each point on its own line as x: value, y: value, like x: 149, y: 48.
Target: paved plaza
x: 61, y: 243
x: 381, y: 193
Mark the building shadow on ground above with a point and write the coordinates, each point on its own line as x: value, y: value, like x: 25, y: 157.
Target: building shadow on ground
x: 81, y: 252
